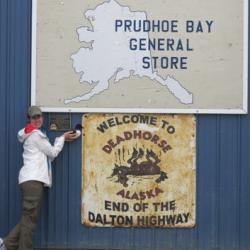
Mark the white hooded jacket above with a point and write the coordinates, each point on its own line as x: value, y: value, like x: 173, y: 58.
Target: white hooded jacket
x: 37, y: 156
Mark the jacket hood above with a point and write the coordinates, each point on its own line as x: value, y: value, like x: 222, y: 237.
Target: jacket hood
x: 22, y: 136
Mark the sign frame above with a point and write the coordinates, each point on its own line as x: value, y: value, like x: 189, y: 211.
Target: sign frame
x: 244, y: 109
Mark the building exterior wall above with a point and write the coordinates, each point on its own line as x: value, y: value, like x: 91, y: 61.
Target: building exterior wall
x: 223, y: 168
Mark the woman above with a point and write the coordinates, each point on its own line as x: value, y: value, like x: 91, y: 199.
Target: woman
x: 33, y: 176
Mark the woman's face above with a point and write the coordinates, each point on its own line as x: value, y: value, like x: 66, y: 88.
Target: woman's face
x: 36, y: 121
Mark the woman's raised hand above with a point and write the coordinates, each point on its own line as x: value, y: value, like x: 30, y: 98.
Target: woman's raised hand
x: 70, y: 136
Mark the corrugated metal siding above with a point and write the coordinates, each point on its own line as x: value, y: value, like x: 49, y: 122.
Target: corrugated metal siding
x: 223, y: 168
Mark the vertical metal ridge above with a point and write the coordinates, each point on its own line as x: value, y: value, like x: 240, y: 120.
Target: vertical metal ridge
x: 8, y: 96
x: 217, y: 202
x: 239, y: 177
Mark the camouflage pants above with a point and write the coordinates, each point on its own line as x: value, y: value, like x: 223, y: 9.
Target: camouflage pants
x: 20, y: 237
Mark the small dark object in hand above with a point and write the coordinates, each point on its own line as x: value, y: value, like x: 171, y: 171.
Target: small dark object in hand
x: 77, y: 127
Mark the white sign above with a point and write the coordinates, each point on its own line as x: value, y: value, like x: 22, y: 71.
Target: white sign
x: 126, y: 56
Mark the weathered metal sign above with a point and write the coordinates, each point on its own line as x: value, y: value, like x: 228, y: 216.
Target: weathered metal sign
x: 138, y: 170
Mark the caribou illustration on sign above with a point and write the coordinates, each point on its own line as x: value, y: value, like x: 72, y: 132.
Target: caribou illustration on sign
x: 144, y: 168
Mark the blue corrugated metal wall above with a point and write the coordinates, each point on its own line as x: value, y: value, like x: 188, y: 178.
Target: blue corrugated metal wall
x: 223, y: 168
